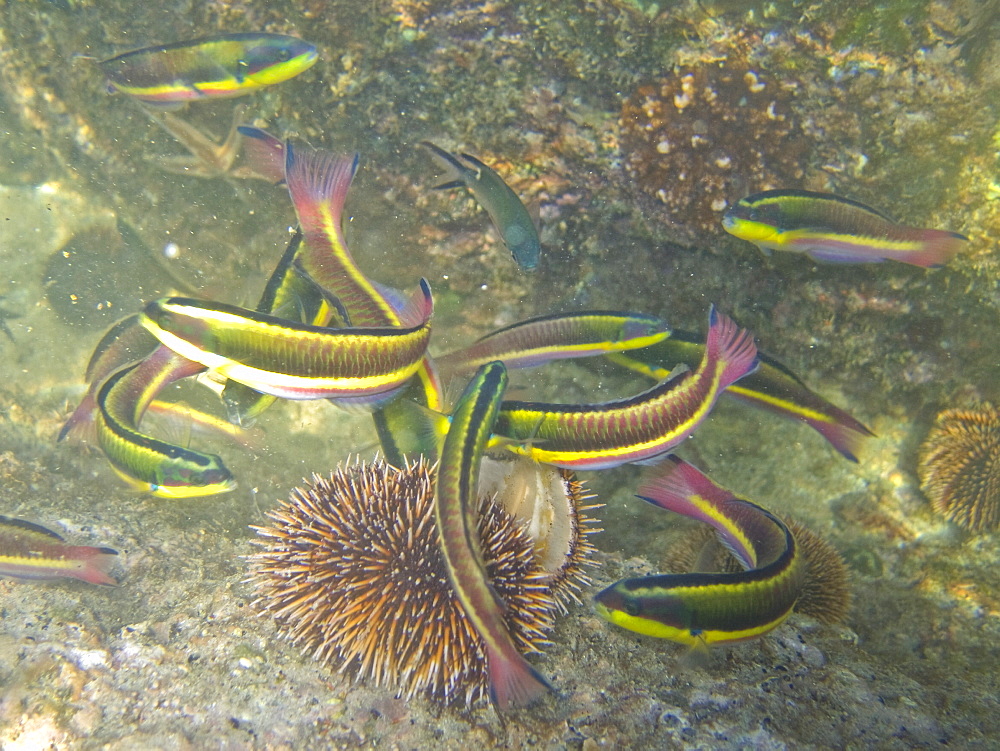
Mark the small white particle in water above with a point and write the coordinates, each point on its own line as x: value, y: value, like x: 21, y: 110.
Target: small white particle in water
x: 245, y: 663
x: 483, y: 287
x: 171, y: 251
x: 444, y: 276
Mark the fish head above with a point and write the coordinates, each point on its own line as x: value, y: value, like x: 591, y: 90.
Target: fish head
x: 197, y: 475
x: 274, y: 61
x: 756, y: 223
x: 170, y: 314
x: 523, y: 245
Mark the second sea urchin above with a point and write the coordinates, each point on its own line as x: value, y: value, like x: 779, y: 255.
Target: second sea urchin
x: 959, y: 467
x: 352, y: 570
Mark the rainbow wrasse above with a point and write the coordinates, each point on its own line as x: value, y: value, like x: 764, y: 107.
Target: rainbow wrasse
x: 146, y: 463
x: 222, y: 66
x: 295, y: 360
x: 318, y: 182
x: 509, y: 216
x: 830, y: 228
x: 31, y: 551
x: 703, y: 609
x: 641, y: 428
x: 512, y: 680
x: 772, y: 387
x: 290, y: 294
x: 554, y: 337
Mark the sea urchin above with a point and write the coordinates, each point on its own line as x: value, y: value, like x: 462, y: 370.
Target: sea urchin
x: 959, y: 467
x: 352, y: 570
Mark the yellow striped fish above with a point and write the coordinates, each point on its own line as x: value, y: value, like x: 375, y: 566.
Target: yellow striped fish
x: 703, y: 609
x: 145, y: 463
x: 221, y: 66
x: 640, y: 429
x: 31, y: 551
x: 834, y: 229
x: 513, y: 681
x: 555, y: 337
x: 362, y: 366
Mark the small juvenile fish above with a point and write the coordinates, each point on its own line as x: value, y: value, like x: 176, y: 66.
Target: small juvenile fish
x: 703, y: 609
x: 555, y: 337
x: 222, y: 66
x: 143, y: 462
x: 641, y: 428
x: 511, y: 219
x: 295, y: 360
x: 830, y: 228
x: 513, y: 681
x: 31, y: 551
x: 772, y: 387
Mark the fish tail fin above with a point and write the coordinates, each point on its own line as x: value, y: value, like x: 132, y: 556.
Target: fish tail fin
x: 939, y: 246
x: 847, y: 439
x: 513, y: 682
x: 97, y: 562
x: 452, y: 163
x: 419, y: 308
x: 675, y: 485
x: 80, y: 427
x: 429, y: 425
x: 732, y: 345
x: 263, y: 153
x: 318, y: 182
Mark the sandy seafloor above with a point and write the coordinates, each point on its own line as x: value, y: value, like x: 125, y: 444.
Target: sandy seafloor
x: 895, y: 107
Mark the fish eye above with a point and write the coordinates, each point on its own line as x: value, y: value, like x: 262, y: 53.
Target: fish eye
x: 631, y: 607
x: 284, y: 56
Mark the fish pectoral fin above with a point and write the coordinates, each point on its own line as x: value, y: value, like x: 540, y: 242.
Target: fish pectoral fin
x: 697, y: 657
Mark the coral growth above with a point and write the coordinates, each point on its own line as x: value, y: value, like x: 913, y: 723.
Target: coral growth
x: 703, y: 137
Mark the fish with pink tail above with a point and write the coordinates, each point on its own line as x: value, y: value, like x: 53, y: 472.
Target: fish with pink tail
x: 836, y: 230
x: 31, y: 551
x: 640, y: 429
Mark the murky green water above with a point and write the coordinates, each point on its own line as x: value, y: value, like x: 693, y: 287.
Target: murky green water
x: 893, y: 105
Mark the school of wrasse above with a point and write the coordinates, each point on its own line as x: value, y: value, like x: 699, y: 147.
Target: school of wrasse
x: 323, y: 330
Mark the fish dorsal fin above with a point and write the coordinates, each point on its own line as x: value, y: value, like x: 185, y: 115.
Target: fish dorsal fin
x: 30, y: 527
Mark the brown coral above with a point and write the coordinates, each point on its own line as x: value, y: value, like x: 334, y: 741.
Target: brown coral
x: 703, y: 137
x: 959, y: 467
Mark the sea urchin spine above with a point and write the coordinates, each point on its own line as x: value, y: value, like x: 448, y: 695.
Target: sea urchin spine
x: 959, y: 467
x: 352, y: 571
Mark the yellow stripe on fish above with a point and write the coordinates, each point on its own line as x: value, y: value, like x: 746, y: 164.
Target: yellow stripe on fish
x: 291, y: 360
x: 702, y: 609
x: 639, y: 429
x: 834, y: 229
x: 512, y: 680
x: 227, y: 65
